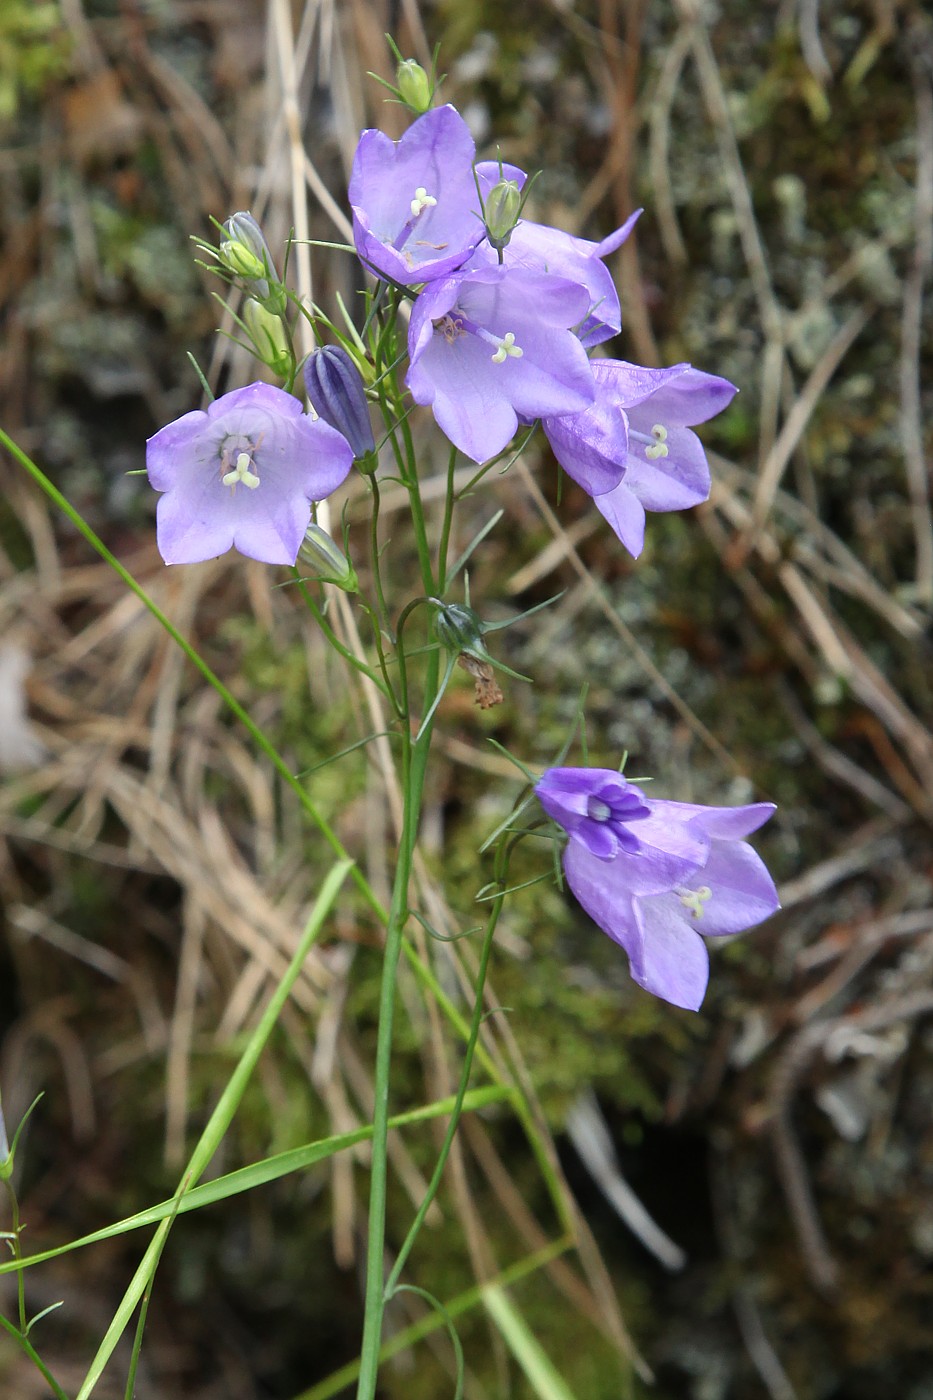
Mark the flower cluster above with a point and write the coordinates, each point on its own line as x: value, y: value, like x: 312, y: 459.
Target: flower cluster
x: 504, y: 316
x: 503, y: 320
x: 658, y: 876
x: 505, y: 313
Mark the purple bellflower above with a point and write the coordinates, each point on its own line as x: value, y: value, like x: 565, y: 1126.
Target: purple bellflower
x: 539, y: 248
x: 633, y: 450
x: 680, y: 873
x: 242, y: 475
x: 494, y: 345
x: 415, y: 206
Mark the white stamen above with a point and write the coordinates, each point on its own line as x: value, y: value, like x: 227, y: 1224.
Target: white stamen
x: 242, y: 472
x: 693, y: 900
x: 507, y: 346
x: 421, y: 201
x: 659, y: 447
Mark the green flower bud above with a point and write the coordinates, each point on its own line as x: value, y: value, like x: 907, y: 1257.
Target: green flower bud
x: 415, y: 88
x: 245, y: 252
x: 328, y: 559
x: 268, y: 334
x: 501, y: 212
x: 459, y: 628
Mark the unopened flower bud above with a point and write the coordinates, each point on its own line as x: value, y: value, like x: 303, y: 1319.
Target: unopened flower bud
x: 459, y: 628
x: 335, y: 392
x: 501, y: 212
x: 328, y: 560
x: 246, y: 253
x: 269, y: 336
x: 414, y: 87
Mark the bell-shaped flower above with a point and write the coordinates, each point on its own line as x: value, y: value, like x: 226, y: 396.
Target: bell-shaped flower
x: 494, y: 345
x: 540, y: 248
x: 415, y: 206
x: 691, y: 876
x: 633, y: 450
x: 242, y: 475
x: 612, y: 820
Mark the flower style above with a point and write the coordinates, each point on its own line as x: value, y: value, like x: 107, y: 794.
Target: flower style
x: 540, y: 248
x: 681, y: 874
x: 493, y: 345
x: 415, y: 207
x: 242, y: 475
x: 633, y: 450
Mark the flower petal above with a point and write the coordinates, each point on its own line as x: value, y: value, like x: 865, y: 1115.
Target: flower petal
x: 743, y: 893
x: 670, y: 960
x: 436, y: 156
x: 292, y: 460
x: 626, y: 514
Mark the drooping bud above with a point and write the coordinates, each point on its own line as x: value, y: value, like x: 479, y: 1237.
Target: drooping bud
x: 335, y: 391
x: 501, y: 212
x: 245, y: 252
x: 328, y: 560
x: 414, y: 86
x: 270, y: 337
x: 459, y: 628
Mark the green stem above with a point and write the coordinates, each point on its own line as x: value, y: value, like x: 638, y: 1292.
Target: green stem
x: 414, y: 763
x: 410, y: 477
x: 444, y: 544
x: 35, y: 1358
x: 475, y: 1023
x: 352, y: 660
x: 17, y: 1252
x: 383, y: 611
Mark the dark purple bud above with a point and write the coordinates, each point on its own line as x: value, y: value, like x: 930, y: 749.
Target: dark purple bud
x: 335, y: 391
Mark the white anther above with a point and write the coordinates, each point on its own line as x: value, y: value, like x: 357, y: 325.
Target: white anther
x: 421, y: 201
x: 693, y: 900
x: 659, y: 447
x: 507, y: 346
x: 242, y: 472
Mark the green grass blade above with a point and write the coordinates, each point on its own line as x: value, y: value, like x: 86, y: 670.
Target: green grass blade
x: 462, y: 1303
x: 219, y: 1121
x: 261, y: 1173
x: 524, y: 1346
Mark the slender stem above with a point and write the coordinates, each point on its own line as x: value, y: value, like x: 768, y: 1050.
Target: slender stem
x: 494, y: 462
x: 17, y: 1252
x: 410, y: 477
x: 320, y: 618
x: 475, y: 1023
x: 35, y: 1358
x: 414, y: 763
x: 383, y: 613
x: 449, y: 503
x: 380, y: 652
